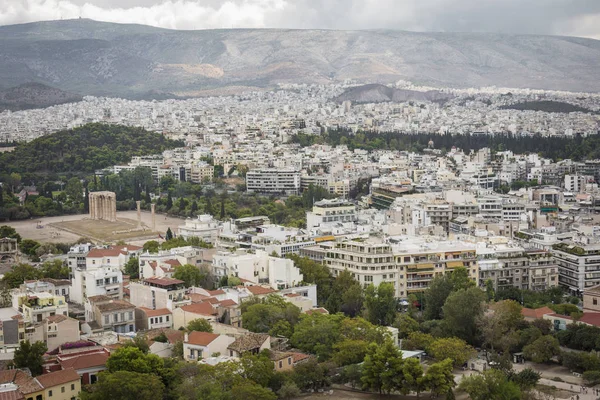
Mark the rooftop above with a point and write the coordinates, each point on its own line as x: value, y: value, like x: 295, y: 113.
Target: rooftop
x: 248, y: 342
x: 201, y: 338
x: 115, y: 305
x: 58, y: 378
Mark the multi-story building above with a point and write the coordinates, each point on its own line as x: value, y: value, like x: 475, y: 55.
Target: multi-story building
x: 273, y: 181
x: 439, y: 214
x: 158, y: 293
x: 409, y: 266
x: 110, y: 314
x: 578, y: 265
x: 512, y: 266
x: 490, y: 207
x: 330, y: 211
x: 204, y: 227
x: 36, y: 306
x: 199, y: 172
x: 182, y: 255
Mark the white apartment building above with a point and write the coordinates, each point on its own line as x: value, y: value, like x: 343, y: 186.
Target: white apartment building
x: 199, y: 172
x: 204, y: 227
x: 279, y: 273
x: 326, y: 212
x: 273, y: 181
x: 150, y: 263
x: 578, y: 265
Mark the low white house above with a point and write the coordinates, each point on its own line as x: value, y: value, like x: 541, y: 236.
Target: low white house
x: 201, y: 345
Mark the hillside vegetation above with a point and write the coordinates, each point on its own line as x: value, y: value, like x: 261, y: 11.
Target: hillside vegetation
x: 84, y: 149
x: 546, y: 106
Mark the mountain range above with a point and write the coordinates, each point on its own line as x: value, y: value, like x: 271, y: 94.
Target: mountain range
x: 137, y: 61
x: 34, y: 95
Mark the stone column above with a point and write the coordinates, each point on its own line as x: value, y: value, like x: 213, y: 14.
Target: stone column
x: 113, y: 207
x: 139, y: 213
x: 153, y: 211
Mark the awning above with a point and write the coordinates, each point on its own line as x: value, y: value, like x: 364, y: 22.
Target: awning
x: 454, y: 264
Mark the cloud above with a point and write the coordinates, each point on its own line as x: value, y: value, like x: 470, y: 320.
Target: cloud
x: 560, y: 17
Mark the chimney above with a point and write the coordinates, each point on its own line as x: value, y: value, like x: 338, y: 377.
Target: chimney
x: 185, y: 338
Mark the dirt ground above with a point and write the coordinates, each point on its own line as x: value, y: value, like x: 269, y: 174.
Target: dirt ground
x: 48, y: 230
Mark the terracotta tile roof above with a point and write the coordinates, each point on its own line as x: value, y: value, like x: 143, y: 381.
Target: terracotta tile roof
x: 590, y: 318
x: 197, y: 297
x: 298, y: 357
x: 115, y: 305
x: 7, y: 376
x: 99, y: 298
x: 155, y: 313
x: 199, y: 308
x: 26, y: 383
x: 248, y: 342
x: 319, y: 310
x: 227, y: 303
x: 58, y: 378
x: 57, y: 282
x: 259, y: 290
x: 12, y: 395
x: 292, y: 295
x: 279, y: 355
x: 211, y: 300
x: 85, y: 361
x: 173, y: 263
x: 536, y: 313
x: 215, y: 292
x: 201, y: 338
x: 57, y: 318
x: 100, y: 253
x: 164, y: 281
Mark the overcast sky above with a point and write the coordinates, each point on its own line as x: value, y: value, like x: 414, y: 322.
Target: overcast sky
x: 557, y: 17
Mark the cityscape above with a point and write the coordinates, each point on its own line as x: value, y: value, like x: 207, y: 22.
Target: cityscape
x: 222, y: 214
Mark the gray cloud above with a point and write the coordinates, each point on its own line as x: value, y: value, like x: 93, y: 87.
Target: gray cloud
x: 557, y: 17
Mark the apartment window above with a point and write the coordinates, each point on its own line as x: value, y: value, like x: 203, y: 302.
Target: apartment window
x: 289, y: 361
x: 160, y: 319
x: 62, y: 389
x: 167, y: 318
x: 595, y: 301
x: 280, y: 364
x: 49, y: 393
x: 130, y: 314
x: 114, y: 279
x: 116, y: 317
x: 106, y: 319
x: 151, y: 320
x: 368, y: 278
x: 72, y: 386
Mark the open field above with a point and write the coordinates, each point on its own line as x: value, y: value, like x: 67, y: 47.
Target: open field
x: 70, y: 228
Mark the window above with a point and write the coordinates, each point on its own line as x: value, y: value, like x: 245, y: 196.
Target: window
x: 62, y: 389
x: 130, y: 314
x: 289, y: 360
x: 106, y: 319
x: 72, y: 386
x: 167, y: 318
x: 280, y: 364
x: 116, y: 317
x: 595, y: 301
x: 49, y: 393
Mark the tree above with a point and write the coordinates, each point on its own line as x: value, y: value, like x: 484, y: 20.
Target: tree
x: 310, y: 375
x: 30, y: 356
x: 140, y: 342
x: 189, y: 274
x: 418, y: 341
x: 288, y: 391
x: 121, y: 385
x: 19, y: 274
x: 412, y: 375
x: 462, y: 311
x: 591, y: 378
x: 439, y: 378
x: 133, y: 359
x: 526, y: 379
x: 340, y: 287
x: 405, y: 325
x: 380, y: 304
x: 151, y: 246
x: 491, y: 384
x: 29, y: 247
x: 500, y: 328
x: 352, y: 374
x: 200, y: 325
x: 9, y: 232
x: 132, y: 268
x: 435, y: 297
x: 169, y: 201
x: 54, y: 269
x: 542, y: 350
x: 382, y: 368
x: 257, y: 368
x: 74, y: 190
x: 169, y: 234
x: 352, y: 301
x: 264, y: 315
x: 453, y: 348
x: 317, y: 333
x: 349, y: 352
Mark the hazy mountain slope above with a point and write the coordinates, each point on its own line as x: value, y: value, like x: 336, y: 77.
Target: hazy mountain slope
x: 93, y: 57
x: 34, y: 95
x: 375, y: 93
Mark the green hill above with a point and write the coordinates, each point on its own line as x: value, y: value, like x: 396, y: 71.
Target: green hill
x: 84, y: 149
